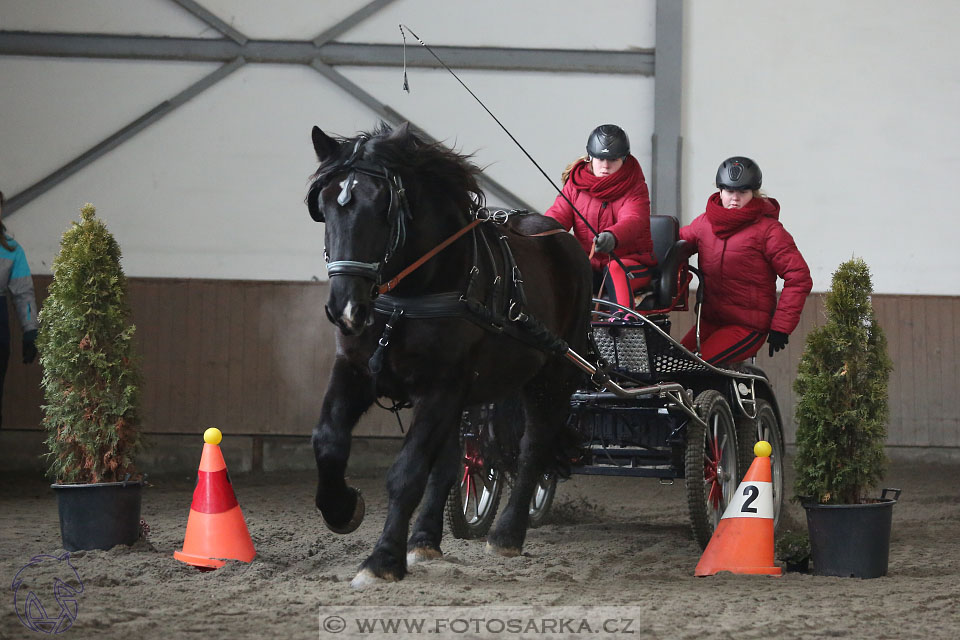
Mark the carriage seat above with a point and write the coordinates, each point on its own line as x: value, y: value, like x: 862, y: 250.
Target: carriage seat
x: 671, y: 253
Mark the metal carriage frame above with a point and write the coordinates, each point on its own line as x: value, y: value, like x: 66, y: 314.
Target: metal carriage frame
x: 662, y: 413
x: 668, y: 414
x: 650, y: 408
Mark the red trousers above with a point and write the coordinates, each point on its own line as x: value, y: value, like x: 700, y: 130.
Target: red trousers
x: 617, y: 286
x: 724, y: 344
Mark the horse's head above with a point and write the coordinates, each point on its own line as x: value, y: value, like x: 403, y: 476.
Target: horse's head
x: 365, y: 210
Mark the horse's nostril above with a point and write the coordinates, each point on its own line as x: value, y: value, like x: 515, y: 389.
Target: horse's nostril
x: 329, y: 315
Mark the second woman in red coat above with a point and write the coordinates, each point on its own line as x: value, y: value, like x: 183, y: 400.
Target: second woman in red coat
x: 742, y: 250
x: 609, y: 190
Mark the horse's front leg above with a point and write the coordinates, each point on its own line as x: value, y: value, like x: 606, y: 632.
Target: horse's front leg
x: 424, y: 542
x: 434, y: 419
x: 349, y: 394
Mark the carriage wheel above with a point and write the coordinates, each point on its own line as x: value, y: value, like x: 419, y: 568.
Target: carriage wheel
x: 473, y: 500
x: 767, y: 427
x: 542, y: 498
x: 710, y: 464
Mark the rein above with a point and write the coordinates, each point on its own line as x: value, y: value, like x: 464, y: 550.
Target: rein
x: 393, y: 282
x: 501, y: 311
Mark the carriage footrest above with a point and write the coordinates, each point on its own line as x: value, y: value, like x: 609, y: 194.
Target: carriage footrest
x: 633, y: 472
x: 602, y: 460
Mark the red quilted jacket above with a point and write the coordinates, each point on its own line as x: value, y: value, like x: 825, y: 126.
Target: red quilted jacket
x: 626, y: 215
x: 741, y: 253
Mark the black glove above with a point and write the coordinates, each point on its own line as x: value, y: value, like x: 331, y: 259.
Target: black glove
x: 29, y: 346
x: 778, y: 340
x: 605, y: 242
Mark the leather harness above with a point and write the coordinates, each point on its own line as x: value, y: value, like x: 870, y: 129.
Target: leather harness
x: 501, y: 310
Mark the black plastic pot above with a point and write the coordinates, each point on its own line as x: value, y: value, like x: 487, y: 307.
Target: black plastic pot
x: 851, y: 540
x: 98, y: 516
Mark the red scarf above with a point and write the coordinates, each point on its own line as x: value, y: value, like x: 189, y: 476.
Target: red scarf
x: 726, y: 222
x: 609, y: 187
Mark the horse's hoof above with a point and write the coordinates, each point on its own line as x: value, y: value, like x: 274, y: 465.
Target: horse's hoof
x: 359, y: 510
x: 366, y: 578
x: 422, y: 554
x: 506, y: 552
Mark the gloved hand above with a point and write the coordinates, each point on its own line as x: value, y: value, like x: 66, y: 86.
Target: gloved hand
x: 605, y: 242
x: 778, y: 340
x: 29, y: 346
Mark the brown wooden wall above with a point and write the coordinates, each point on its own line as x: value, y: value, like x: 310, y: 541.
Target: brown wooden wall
x: 254, y: 357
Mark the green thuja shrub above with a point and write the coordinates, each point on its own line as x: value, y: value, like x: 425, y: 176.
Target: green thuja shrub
x: 842, y: 408
x: 90, y: 377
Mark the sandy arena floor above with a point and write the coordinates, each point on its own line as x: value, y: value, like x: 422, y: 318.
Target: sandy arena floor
x: 609, y: 541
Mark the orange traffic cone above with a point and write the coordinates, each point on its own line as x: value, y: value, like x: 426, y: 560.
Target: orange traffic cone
x: 216, y: 530
x: 743, y: 541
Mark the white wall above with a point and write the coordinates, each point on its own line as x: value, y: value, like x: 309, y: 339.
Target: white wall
x: 215, y: 189
x: 849, y: 107
x: 851, y: 110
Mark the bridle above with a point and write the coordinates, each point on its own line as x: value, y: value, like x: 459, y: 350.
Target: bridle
x: 398, y: 213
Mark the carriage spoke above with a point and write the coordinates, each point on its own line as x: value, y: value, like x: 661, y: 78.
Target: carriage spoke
x: 476, y: 494
x: 488, y: 481
x: 714, y: 471
x: 466, y: 485
x: 715, y: 495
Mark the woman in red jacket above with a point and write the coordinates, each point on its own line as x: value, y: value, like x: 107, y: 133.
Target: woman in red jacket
x: 742, y: 249
x: 609, y: 190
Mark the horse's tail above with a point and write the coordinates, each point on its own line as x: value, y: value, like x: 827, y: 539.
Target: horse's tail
x: 567, y: 449
x: 508, y: 421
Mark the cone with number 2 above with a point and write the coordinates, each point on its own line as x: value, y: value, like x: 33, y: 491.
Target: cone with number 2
x: 216, y: 530
x: 743, y: 541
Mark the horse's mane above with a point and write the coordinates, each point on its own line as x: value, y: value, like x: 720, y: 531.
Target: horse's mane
x: 423, y: 166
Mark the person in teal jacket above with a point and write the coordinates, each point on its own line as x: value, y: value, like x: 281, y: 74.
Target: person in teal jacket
x: 15, y: 281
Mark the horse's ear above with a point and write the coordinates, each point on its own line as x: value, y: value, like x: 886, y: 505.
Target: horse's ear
x: 324, y: 145
x: 404, y: 132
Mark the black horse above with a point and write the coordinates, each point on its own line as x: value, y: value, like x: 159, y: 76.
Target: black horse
x: 486, y: 315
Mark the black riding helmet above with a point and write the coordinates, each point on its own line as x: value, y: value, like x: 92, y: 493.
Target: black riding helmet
x: 609, y: 142
x: 738, y: 174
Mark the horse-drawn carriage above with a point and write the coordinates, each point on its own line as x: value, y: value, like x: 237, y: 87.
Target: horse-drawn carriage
x: 680, y: 418
x: 442, y: 304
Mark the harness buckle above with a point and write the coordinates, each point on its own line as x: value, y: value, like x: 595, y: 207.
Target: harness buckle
x: 516, y: 314
x: 499, y: 216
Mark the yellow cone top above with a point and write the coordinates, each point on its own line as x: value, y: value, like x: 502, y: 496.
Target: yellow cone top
x: 213, y: 436
x: 762, y: 449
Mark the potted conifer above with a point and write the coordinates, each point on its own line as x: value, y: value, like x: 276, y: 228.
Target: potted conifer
x: 841, y: 415
x: 91, y: 386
